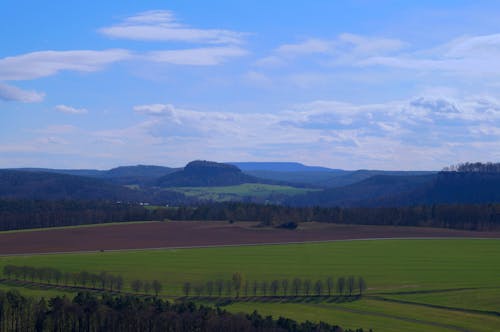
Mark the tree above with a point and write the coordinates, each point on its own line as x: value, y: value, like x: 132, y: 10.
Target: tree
x: 361, y: 285
x: 136, y: 285
x: 329, y: 285
x: 351, y: 282
x: 237, y: 282
x: 210, y: 288
x: 263, y: 288
x: 103, y: 278
x: 219, y: 285
x: 284, y: 286
x: 318, y: 287
x: 186, y: 288
x: 147, y: 287
x: 255, y: 287
x: 341, y: 285
x: 156, y: 287
x: 275, y: 285
x: 296, y: 283
x: 119, y: 283
x: 246, y: 286
x: 307, y: 287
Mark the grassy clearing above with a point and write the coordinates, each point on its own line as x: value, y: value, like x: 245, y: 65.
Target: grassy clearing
x: 390, y: 267
x: 226, y: 193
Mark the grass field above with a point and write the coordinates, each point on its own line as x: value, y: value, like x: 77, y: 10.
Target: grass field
x: 397, y: 270
x: 227, y: 193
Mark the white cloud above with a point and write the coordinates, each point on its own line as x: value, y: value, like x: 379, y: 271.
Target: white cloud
x: 470, y: 55
x: 207, y: 56
x: 309, y: 46
x: 46, y: 63
x: 57, y: 130
x: 12, y: 93
x: 161, y: 25
x: 344, y: 48
x: 70, y: 110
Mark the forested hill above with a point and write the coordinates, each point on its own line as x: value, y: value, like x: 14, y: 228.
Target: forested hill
x: 139, y: 174
x: 206, y: 173
x: 52, y: 186
x: 383, y: 190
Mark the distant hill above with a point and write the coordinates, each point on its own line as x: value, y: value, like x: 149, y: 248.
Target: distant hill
x: 351, y: 177
x: 280, y: 167
x: 139, y: 174
x: 397, y: 190
x: 206, y: 174
x: 54, y: 186
x: 45, y: 185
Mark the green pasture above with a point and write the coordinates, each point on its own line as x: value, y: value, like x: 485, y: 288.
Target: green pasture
x: 227, y: 193
x: 461, y: 273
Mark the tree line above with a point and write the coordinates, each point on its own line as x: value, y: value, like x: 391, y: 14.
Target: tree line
x: 25, y: 214
x: 477, y: 167
x: 49, y: 275
x: 87, y: 312
x: 238, y: 286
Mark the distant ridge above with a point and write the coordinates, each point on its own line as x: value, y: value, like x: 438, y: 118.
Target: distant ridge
x: 280, y: 167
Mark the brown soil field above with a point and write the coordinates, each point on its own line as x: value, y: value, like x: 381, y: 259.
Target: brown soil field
x: 178, y: 234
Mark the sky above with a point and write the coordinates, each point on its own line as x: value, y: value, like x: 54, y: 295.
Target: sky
x: 360, y: 84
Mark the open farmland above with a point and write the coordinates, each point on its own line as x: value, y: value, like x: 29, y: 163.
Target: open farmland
x: 409, y: 281
x: 238, y: 192
x: 188, y: 234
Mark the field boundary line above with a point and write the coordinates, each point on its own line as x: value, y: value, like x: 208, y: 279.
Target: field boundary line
x: 405, y: 319
x: 246, y: 245
x: 435, y: 306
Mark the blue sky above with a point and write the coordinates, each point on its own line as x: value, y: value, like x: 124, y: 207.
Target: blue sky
x: 344, y: 84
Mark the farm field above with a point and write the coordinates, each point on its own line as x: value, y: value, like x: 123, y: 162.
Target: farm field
x: 406, y: 278
x: 202, y: 233
x: 228, y: 193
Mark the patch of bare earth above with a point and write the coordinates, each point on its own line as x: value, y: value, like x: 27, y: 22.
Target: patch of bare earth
x: 203, y: 233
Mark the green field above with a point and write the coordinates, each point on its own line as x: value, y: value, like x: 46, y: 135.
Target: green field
x: 463, y: 274
x: 229, y: 193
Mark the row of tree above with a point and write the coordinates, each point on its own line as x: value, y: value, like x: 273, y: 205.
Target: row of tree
x: 234, y: 287
x: 87, y: 312
x: 102, y: 280
x: 237, y: 286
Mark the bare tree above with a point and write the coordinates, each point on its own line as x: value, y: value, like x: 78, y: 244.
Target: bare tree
x: 351, y: 283
x: 255, y: 287
x: 136, y: 285
x: 210, y: 288
x: 263, y: 288
x: 237, y: 282
x: 284, y: 286
x: 341, y: 285
x: 329, y: 285
x: 296, y: 284
x: 307, y: 287
x: 156, y: 287
x: 275, y: 285
x: 219, y: 285
x: 186, y: 288
x: 119, y: 283
x: 318, y: 287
